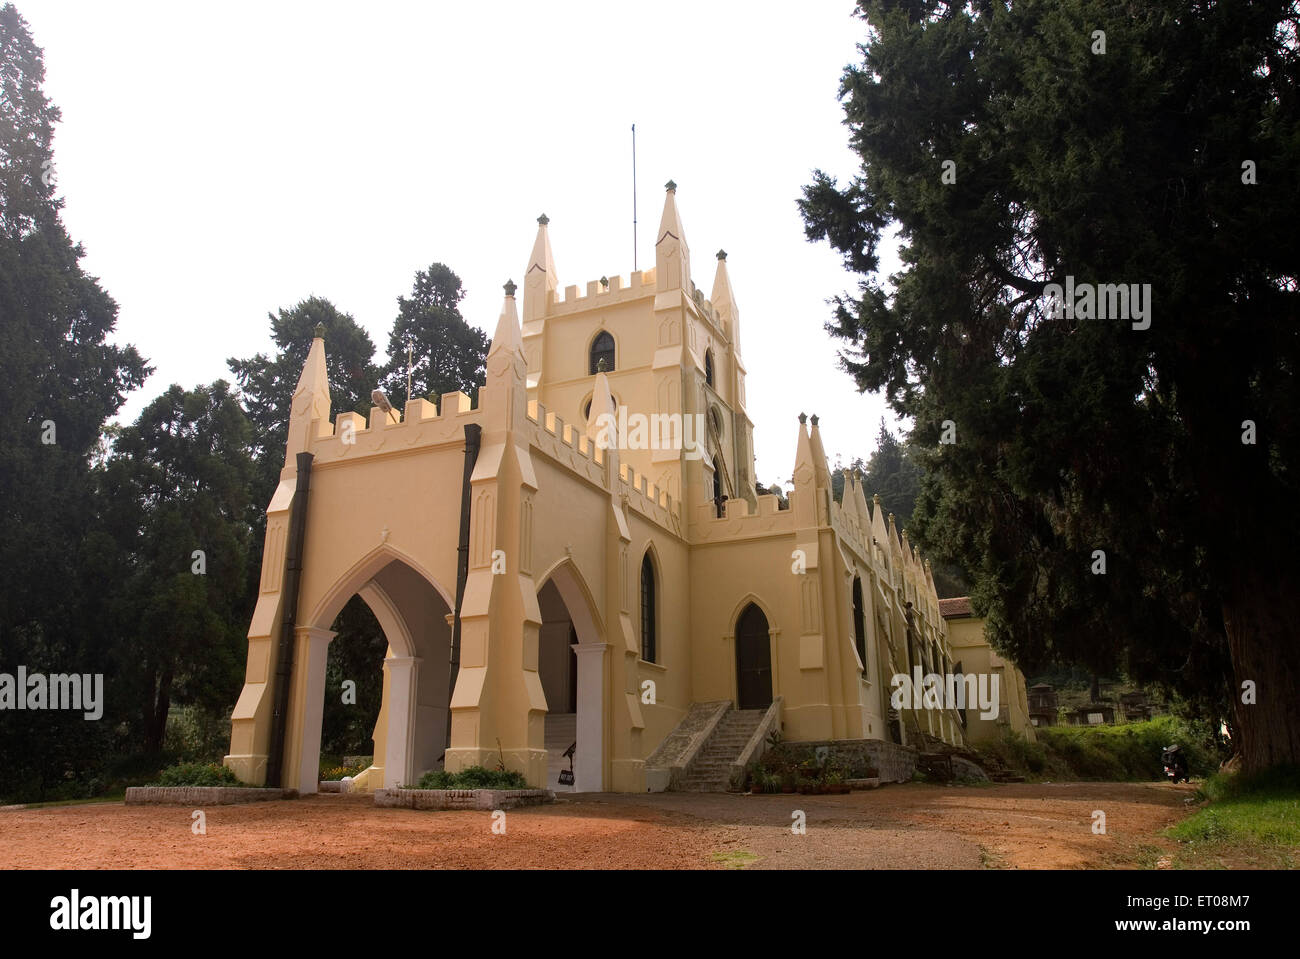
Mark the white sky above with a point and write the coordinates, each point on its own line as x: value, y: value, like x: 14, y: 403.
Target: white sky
x: 220, y: 162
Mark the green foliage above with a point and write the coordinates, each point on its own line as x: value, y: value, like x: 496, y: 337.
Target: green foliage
x: 197, y: 734
x: 61, y: 377
x: 1261, y: 809
x: 1084, y: 434
x: 1017, y: 752
x: 893, y: 473
x: 448, y: 354
x: 198, y: 774
x: 266, y: 383
x: 473, y: 777
x: 179, y: 478
x: 1130, y: 751
x: 333, y: 768
x: 356, y: 653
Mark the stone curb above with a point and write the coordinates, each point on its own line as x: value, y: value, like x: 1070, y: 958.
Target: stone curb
x: 873, y: 783
x: 202, y: 795
x: 461, y: 798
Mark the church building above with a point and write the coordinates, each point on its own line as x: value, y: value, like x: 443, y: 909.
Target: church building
x: 580, y: 561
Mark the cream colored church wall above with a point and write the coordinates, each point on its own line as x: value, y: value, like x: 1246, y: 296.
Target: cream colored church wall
x: 973, y: 651
x: 405, y: 504
x: 671, y: 672
x: 727, y: 576
x: 569, y: 524
x: 567, y: 386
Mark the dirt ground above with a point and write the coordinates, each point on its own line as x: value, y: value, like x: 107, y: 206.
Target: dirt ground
x: 1026, y: 826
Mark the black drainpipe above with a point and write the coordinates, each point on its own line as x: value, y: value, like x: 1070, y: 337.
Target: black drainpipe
x: 473, y: 436
x: 288, y: 620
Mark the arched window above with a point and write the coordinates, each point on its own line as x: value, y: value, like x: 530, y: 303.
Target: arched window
x: 647, y: 609
x: 602, y: 349
x: 708, y: 367
x: 860, y: 627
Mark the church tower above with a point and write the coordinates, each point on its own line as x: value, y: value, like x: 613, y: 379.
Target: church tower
x: 671, y: 358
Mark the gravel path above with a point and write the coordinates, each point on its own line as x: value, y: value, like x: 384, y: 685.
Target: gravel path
x: 897, y: 826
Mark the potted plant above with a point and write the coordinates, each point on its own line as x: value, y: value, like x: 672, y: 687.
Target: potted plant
x: 835, y: 782
x: 757, y: 780
x: 810, y: 769
x: 788, y: 781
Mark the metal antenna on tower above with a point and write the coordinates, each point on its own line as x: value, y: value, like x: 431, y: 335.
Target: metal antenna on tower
x: 633, y: 196
x: 410, y: 347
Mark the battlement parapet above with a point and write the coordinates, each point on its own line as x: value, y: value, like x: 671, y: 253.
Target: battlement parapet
x: 738, y: 522
x: 352, y: 436
x: 640, y: 284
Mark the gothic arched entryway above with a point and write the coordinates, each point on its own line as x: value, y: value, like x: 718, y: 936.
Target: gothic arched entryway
x: 753, y: 660
x: 571, y: 668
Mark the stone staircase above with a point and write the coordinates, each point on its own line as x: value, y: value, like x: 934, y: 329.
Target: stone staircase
x: 711, y: 771
x: 561, y: 733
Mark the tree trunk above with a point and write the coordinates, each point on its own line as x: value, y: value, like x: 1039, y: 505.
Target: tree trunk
x: 1259, y: 617
x: 156, y: 726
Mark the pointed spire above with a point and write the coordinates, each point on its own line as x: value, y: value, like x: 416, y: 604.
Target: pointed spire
x: 724, y: 301
x: 819, y: 456
x: 672, y: 256
x: 311, y: 399
x: 851, y: 499
x: 540, y: 279
x: 507, y: 336
x: 877, y: 519
x: 804, y: 496
x: 860, y: 498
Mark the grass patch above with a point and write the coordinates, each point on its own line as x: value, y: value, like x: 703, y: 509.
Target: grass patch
x: 991, y: 860
x: 736, y: 859
x: 1249, y: 821
x: 472, y: 777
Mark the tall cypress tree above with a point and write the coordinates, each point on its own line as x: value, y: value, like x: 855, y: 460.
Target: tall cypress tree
x: 1122, y: 493
x: 60, y: 381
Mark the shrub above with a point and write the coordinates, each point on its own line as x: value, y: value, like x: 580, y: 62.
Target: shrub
x: 333, y: 769
x: 198, y: 774
x: 1131, y: 750
x: 196, y: 735
x: 472, y: 777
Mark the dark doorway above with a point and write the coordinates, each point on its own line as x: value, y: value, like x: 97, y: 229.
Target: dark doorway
x: 753, y: 660
x: 860, y: 627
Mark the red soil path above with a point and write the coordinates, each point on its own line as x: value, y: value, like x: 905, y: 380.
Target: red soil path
x: 898, y: 826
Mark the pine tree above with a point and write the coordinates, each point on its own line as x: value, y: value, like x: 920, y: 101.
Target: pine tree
x: 60, y: 381
x: 447, y: 354
x: 1123, y: 493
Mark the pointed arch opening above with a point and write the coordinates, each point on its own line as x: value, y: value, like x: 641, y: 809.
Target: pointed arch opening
x: 649, y: 609
x: 602, y: 352
x: 571, y: 668
x: 860, y: 627
x: 403, y: 689
x: 708, y: 367
x: 753, y: 659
